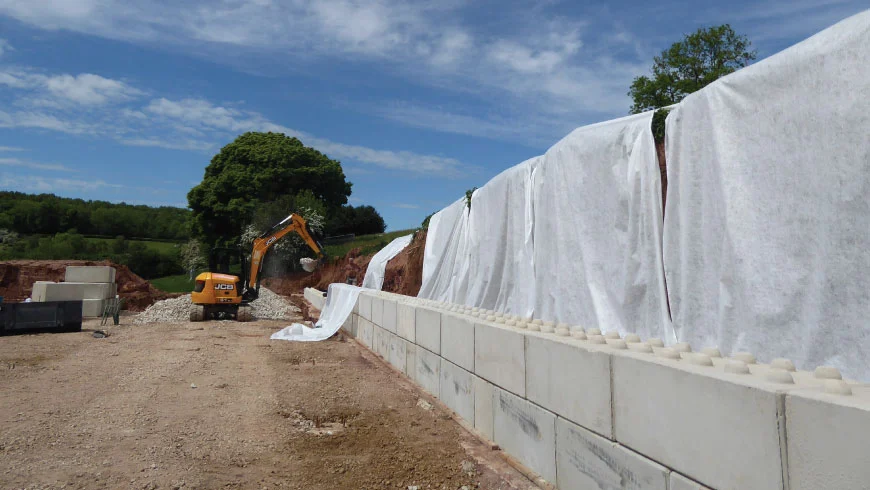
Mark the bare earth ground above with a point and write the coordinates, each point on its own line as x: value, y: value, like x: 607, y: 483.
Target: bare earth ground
x: 219, y: 405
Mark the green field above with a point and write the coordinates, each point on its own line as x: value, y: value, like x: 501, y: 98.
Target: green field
x: 162, y: 247
x: 174, y: 284
x: 369, y: 243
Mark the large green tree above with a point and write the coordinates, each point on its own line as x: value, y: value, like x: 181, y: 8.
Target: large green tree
x: 259, y: 168
x: 690, y: 65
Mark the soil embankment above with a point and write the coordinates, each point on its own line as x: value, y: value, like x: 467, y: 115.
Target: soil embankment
x: 17, y: 278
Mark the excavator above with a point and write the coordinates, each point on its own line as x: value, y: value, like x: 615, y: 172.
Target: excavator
x: 218, y: 294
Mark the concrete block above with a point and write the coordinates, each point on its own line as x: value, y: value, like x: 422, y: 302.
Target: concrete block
x: 526, y: 432
x: 587, y: 460
x: 389, y: 313
x: 398, y: 352
x: 570, y: 380
x: 722, y: 429
x: 827, y: 439
x: 457, y: 340
x: 74, y: 291
x: 457, y: 390
x: 428, y: 329
x: 38, y: 293
x: 378, y: 312
x: 92, y: 307
x: 680, y: 482
x: 483, y: 414
x: 411, y: 360
x: 365, y: 306
x: 406, y: 321
x: 315, y: 297
x: 366, y: 333
x: 382, y: 342
x: 428, y: 372
x: 76, y: 273
x: 499, y: 357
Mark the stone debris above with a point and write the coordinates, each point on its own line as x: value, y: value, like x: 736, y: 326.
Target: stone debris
x: 269, y: 306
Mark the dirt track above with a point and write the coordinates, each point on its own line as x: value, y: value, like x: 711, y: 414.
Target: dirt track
x: 123, y: 412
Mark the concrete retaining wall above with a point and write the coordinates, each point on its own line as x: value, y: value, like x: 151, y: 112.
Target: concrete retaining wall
x: 92, y: 285
x: 583, y: 411
x: 316, y: 297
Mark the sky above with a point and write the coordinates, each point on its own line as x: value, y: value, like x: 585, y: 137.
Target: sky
x: 128, y: 101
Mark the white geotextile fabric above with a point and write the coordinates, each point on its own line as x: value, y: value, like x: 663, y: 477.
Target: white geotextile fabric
x: 767, y: 222
x: 374, y: 278
x: 573, y: 236
x: 340, y: 300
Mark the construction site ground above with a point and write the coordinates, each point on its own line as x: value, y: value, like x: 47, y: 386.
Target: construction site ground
x: 219, y: 405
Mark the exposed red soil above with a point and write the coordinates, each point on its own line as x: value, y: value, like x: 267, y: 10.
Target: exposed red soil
x: 404, y: 274
x: 17, y: 278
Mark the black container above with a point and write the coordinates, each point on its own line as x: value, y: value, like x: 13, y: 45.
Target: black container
x: 47, y: 316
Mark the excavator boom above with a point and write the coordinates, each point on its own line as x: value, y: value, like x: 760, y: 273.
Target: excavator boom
x: 262, y: 244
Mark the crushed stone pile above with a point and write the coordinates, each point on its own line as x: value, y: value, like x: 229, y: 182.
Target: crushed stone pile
x: 269, y: 306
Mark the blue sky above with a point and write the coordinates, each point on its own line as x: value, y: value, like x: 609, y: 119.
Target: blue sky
x: 128, y: 101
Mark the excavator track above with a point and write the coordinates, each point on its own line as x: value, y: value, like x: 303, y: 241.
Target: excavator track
x: 197, y: 313
x: 244, y: 314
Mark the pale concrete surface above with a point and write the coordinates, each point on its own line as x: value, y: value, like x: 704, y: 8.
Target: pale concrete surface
x: 75, y: 291
x: 398, y: 352
x: 411, y: 360
x: 428, y: 329
x: 77, y: 273
x: 499, y: 357
x: 572, y: 381
x: 389, y: 313
x: 365, y: 306
x: 587, y: 460
x: 38, y: 292
x: 828, y: 438
x: 526, y: 432
x: 428, y: 371
x: 92, y: 307
x: 457, y: 390
x: 366, y: 331
x: 680, y: 482
x: 378, y: 311
x: 718, y: 428
x: 483, y: 412
x: 406, y: 321
x: 315, y: 297
x: 457, y: 341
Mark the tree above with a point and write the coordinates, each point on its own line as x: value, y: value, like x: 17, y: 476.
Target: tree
x: 360, y: 220
x: 259, y: 168
x: 192, y: 256
x: 690, y: 65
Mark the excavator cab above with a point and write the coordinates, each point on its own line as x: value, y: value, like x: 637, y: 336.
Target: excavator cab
x: 220, y: 294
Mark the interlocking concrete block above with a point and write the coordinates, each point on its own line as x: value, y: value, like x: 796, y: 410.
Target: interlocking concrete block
x: 74, y: 291
x: 827, y: 439
x: 389, y: 313
x: 457, y: 390
x: 428, y: 372
x: 367, y: 333
x: 499, y: 357
x: 457, y: 340
x: 91, y: 307
x: 587, y: 460
x: 315, y: 297
x: 38, y: 293
x: 398, y: 352
x: 411, y: 360
x: 378, y: 311
x: 722, y: 429
x: 382, y: 342
x: 428, y: 329
x: 571, y: 380
x: 365, y: 306
x: 526, y: 432
x: 406, y: 321
x: 483, y: 414
x: 680, y: 482
x: 76, y: 273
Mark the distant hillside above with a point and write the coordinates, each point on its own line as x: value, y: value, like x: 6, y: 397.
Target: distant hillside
x: 47, y: 214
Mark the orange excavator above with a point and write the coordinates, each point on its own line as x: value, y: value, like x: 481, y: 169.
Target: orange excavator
x: 218, y: 294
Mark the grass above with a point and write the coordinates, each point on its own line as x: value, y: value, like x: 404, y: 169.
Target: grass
x: 174, y: 284
x: 162, y: 247
x: 369, y: 243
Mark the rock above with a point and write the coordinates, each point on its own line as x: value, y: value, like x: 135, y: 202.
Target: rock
x: 192, y: 385
x: 269, y: 306
x: 424, y: 404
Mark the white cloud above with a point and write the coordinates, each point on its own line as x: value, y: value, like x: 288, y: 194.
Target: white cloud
x: 10, y: 148
x: 406, y: 206
x: 89, y: 89
x: 5, y: 47
x: 31, y: 183
x: 17, y: 162
x: 168, y: 144
x: 39, y: 120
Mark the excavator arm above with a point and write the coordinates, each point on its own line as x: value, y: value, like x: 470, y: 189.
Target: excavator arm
x: 262, y: 244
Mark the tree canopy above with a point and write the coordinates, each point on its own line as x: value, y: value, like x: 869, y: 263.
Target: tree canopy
x: 260, y: 168
x: 689, y: 65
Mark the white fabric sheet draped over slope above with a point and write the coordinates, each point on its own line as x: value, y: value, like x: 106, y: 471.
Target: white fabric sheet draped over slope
x: 767, y: 227
x: 374, y: 278
x: 573, y: 236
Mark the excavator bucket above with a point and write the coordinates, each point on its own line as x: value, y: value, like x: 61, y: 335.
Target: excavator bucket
x: 309, y: 264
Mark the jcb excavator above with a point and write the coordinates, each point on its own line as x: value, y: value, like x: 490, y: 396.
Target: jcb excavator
x: 219, y: 294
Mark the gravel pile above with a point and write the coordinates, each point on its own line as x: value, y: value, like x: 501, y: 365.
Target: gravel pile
x: 269, y: 306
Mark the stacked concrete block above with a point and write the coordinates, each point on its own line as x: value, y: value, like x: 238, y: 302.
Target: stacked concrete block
x: 314, y: 296
x: 92, y: 285
x: 588, y: 411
